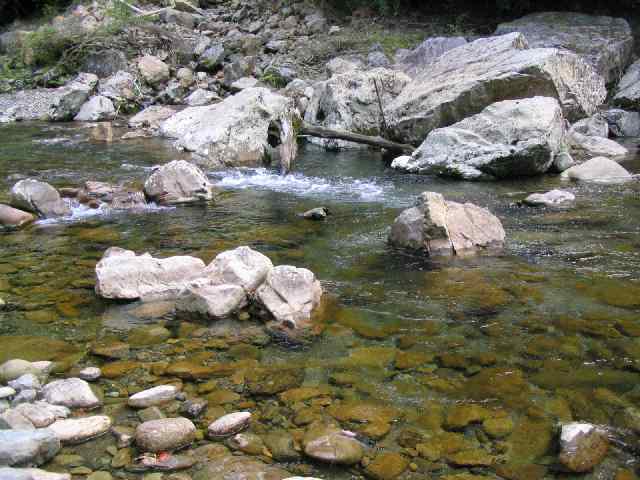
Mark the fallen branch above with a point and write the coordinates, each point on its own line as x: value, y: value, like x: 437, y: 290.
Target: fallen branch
x: 322, y: 132
x: 140, y: 12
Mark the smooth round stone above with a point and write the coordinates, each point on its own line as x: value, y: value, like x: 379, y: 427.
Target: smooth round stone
x: 331, y: 445
x: 550, y: 199
x: 165, y: 434
x: 90, y: 374
x: 42, y: 414
x: 229, y: 424
x: 582, y: 446
x: 78, y: 430
x: 153, y: 396
x: 12, y: 369
x: 70, y: 392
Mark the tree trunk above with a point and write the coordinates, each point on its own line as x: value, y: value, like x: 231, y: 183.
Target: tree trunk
x: 315, y: 131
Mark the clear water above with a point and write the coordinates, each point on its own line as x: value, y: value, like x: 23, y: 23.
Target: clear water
x: 546, y: 332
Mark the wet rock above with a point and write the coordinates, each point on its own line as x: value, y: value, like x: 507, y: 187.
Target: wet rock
x: 461, y: 415
x: 599, y: 169
x: 586, y: 147
x: 113, y: 350
x: 166, y: 434
x: 248, y: 443
x: 319, y: 213
x: 605, y: 42
x: 13, y: 218
x: 239, y: 131
x: 240, y: 467
x: 15, y: 368
x: 582, y: 446
x: 78, y: 430
x: 562, y: 162
x: 13, y: 419
x: 202, y: 299
x: 228, y: 425
x: 194, y: 408
x: 151, y: 335
x: 178, y: 182
x: 498, y: 427
x: 119, y: 87
x: 153, y: 396
x: 386, y: 466
x: 489, y: 146
x: 241, y: 266
x: 153, y: 70
x: 121, y: 274
x: 90, y: 374
x: 71, y: 393
x: 467, y: 79
x: 290, y: 295
x: 439, y: 227
x: 628, y: 92
x: 349, y: 101
x: 331, y: 445
x: 622, y: 123
x: 38, y: 197
x: 427, y: 52
x: 26, y: 395
x: 26, y: 381
x: 42, y: 414
x: 594, y: 126
x: 96, y: 109
x: 281, y: 445
x: 69, y: 99
x: 30, y: 474
x: 22, y: 448
x: 550, y: 199
x: 470, y: 458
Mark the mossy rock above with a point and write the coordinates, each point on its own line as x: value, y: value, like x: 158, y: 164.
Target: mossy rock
x: 386, y: 466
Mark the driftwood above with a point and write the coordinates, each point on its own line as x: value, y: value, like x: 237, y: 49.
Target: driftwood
x: 315, y: 131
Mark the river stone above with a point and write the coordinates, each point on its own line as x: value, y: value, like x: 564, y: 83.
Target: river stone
x: 331, y: 445
x: 582, y: 446
x: 15, y: 368
x: 178, y: 182
x: 235, y: 132
x: 90, y: 374
x: 595, y: 126
x: 440, y: 227
x: 349, y: 101
x: 38, y: 197
x: 290, y: 295
x: 69, y: 99
x: 467, y: 79
x: 507, y: 139
x: 605, y: 42
x: 248, y: 443
x: 79, y: 430
x: 281, y: 445
x: 628, y: 92
x: 6, y: 392
x: 42, y: 414
x: 7, y: 473
x: 119, y: 87
x: 623, y: 123
x: 153, y: 396
x: 96, y: 109
x: 165, y: 434
x: 71, y: 393
x: 586, y: 146
x: 121, y: 274
x: 151, y: 117
x: 25, y: 448
x: 153, y: 70
x: 14, y: 218
x: 201, y: 97
x: 201, y: 298
x: 229, y: 424
x: 599, y: 169
x: 241, y: 266
x: 233, y: 467
x: 25, y: 382
x: 15, y: 420
x: 387, y: 466
x: 550, y: 199
x: 426, y: 53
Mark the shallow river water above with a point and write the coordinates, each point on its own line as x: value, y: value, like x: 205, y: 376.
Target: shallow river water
x: 546, y: 332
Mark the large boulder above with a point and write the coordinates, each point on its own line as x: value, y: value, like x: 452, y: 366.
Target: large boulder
x: 628, y: 92
x: 599, y: 169
x: 241, y: 266
x: 178, y: 182
x: 121, y: 274
x: 153, y: 70
x: 96, y: 109
x: 13, y: 218
x: 424, y: 54
x: 594, y: 126
x: 27, y: 448
x: 439, y: 227
x: 349, y: 101
x: 622, y: 123
x: 290, y: 295
x: 591, y: 146
x: 38, y: 197
x: 508, y: 139
x: 69, y: 99
x: 250, y: 128
x: 466, y: 79
x: 606, y: 42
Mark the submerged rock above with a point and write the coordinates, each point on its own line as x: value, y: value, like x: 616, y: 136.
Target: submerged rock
x: 13, y: 218
x: 582, y: 446
x: 239, y: 467
x: 508, y: 139
x: 331, y: 445
x: 229, y: 424
x: 251, y: 128
x: 71, y: 393
x: 550, y: 199
x: 26, y: 448
x: 166, y: 434
x: 599, y: 169
x: 178, y: 182
x: 467, y: 79
x: 121, y: 274
x: 78, y: 430
x: 39, y: 198
x: 440, y: 227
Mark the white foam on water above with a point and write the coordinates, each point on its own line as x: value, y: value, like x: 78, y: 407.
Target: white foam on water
x: 80, y: 212
x: 345, y: 188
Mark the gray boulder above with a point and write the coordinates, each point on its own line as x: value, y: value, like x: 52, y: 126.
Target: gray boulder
x: 628, y: 91
x: 600, y: 170
x: 587, y: 146
x: 606, y: 42
x: 153, y: 70
x: 466, y: 79
x: 70, y: 393
x: 443, y: 228
x: 201, y: 97
x: 239, y: 131
x: 206, y: 300
x: 508, y: 139
x: 623, y: 123
x: 38, y: 197
x: 69, y: 99
x: 121, y: 274
x: 119, y: 87
x: 594, y: 126
x: 178, y: 182
x: 78, y: 430
x: 241, y: 266
x: 96, y: 109
x: 349, y: 101
x: 20, y: 448
x: 13, y: 218
x: 211, y: 59
x: 378, y: 60
x: 166, y: 434
x: 424, y: 54
x: 151, y: 117
x: 552, y: 198
x: 105, y: 62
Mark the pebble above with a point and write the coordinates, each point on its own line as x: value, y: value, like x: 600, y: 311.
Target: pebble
x: 153, y: 396
x: 229, y: 424
x: 166, y: 434
x: 90, y: 374
x: 78, y: 430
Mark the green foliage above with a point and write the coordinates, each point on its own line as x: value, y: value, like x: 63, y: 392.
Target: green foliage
x: 273, y: 78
